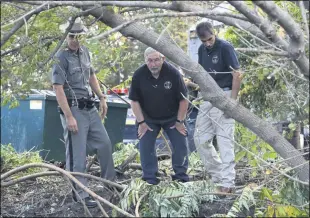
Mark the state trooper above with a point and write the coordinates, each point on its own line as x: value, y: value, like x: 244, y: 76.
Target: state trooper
x: 217, y: 56
x: 74, y: 80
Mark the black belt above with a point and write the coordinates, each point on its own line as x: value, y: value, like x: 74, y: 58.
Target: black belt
x: 82, y: 103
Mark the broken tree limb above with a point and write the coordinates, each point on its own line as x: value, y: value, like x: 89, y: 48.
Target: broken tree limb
x: 209, y: 89
x: 53, y: 173
x: 298, y: 56
x: 138, y: 204
x: 72, y: 178
x: 135, y: 166
x: 125, y: 163
x: 78, y: 196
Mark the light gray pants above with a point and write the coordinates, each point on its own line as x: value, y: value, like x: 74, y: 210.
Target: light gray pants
x: 92, y: 133
x: 221, y: 167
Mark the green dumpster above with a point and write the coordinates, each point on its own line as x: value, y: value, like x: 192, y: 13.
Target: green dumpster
x: 39, y: 128
x: 53, y: 131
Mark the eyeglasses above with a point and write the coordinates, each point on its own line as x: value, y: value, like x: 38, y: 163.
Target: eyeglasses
x: 157, y: 60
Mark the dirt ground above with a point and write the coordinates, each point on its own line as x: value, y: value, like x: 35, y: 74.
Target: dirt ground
x: 51, y: 197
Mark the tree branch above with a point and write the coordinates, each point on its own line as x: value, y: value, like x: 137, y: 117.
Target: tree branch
x: 20, y: 22
x: 263, y: 51
x: 16, y: 6
x: 180, y: 14
x: 304, y: 17
x: 266, y: 27
x: 297, y: 44
x: 69, y: 176
x: 209, y: 89
x: 33, y: 11
x: 174, y: 6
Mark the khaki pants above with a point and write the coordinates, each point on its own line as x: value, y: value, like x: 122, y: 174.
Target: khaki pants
x: 221, y: 167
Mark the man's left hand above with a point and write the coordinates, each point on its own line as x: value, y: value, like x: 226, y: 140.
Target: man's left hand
x: 103, y: 108
x: 180, y: 127
x: 237, y: 75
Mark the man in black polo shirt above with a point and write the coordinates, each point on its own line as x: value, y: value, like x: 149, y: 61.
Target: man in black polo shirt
x: 157, y: 102
x: 219, y: 57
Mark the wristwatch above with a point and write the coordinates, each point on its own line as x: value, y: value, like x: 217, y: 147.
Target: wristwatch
x: 139, y: 123
x: 181, y: 121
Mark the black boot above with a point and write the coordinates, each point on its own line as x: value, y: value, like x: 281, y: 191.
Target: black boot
x: 89, y: 202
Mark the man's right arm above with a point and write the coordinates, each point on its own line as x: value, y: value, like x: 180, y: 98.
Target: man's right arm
x: 62, y: 100
x: 136, y: 109
x: 134, y: 96
x: 59, y: 74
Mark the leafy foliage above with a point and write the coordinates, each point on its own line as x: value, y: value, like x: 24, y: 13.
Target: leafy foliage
x: 257, y: 147
x: 245, y: 201
x: 272, y: 87
x: 168, y: 199
x: 123, y: 151
x: 11, y: 159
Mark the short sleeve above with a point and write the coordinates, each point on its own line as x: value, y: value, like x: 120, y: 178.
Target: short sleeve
x: 230, y: 57
x: 134, y: 91
x: 59, y: 71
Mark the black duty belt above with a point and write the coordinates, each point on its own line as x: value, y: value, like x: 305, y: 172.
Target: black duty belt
x: 82, y: 103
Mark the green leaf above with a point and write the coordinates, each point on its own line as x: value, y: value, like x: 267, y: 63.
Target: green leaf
x: 266, y: 193
x: 240, y: 155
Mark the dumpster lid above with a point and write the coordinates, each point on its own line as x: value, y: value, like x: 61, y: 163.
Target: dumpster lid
x: 43, y: 92
x: 111, y: 100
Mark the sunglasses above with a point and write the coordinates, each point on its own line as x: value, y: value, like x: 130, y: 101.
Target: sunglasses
x: 71, y: 36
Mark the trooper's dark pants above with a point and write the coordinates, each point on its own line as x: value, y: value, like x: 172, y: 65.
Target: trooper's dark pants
x: 148, y: 155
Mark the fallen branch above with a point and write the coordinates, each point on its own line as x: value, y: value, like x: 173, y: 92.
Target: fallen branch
x: 135, y: 166
x: 53, y: 173
x: 78, y: 196
x: 102, y: 209
x: 125, y: 163
x: 210, y: 193
x: 77, y: 182
x: 138, y: 204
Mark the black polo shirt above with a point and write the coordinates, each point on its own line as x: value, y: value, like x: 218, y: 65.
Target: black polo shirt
x: 159, y: 98
x: 218, y: 59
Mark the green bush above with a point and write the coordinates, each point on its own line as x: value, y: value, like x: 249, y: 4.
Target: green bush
x: 11, y: 159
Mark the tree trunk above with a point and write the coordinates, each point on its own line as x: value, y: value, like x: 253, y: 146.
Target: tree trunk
x: 209, y: 89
